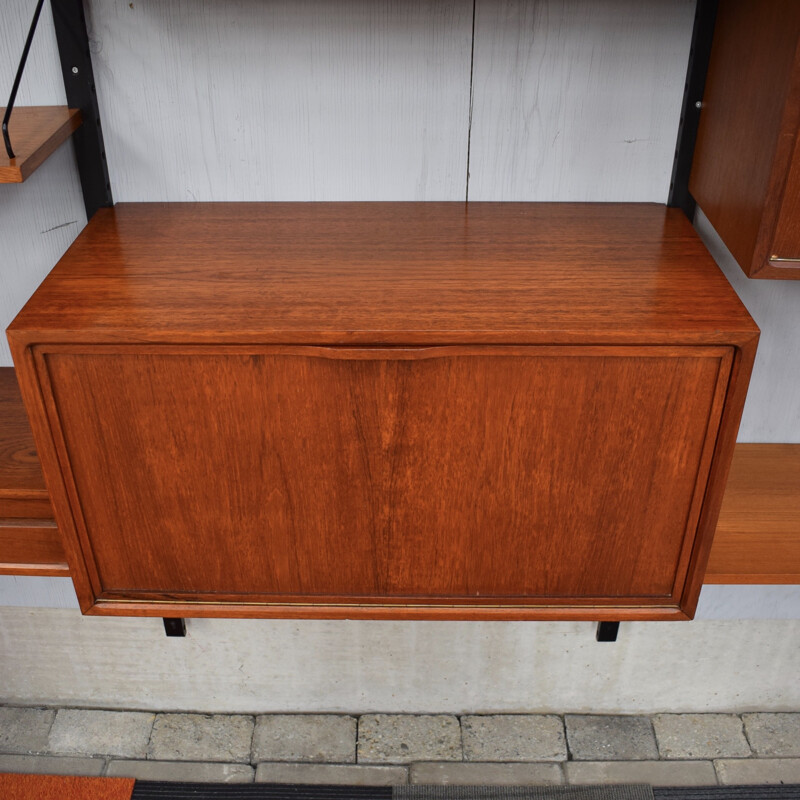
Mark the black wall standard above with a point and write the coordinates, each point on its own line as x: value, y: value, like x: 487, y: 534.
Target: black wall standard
x: 699, y: 56
x: 76, y: 66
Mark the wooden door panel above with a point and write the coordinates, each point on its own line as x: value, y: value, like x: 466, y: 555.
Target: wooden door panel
x: 563, y: 473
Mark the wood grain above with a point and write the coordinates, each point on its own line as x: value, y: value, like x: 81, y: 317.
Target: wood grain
x: 337, y: 479
x: 35, y: 132
x: 31, y: 547
x: 308, y: 396
x: 746, y: 173
x: 21, y: 478
x: 758, y: 534
x: 29, y: 540
x: 386, y: 273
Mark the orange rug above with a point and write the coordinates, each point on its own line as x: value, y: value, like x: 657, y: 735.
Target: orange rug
x: 57, y: 787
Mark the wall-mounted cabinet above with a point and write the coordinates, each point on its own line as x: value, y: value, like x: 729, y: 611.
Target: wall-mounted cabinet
x: 746, y: 169
x: 419, y: 410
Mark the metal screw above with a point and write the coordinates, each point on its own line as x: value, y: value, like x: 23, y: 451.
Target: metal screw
x: 698, y: 104
x: 74, y: 70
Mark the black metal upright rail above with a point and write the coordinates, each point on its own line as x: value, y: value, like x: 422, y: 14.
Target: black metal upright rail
x: 76, y: 65
x: 18, y: 77
x: 699, y: 56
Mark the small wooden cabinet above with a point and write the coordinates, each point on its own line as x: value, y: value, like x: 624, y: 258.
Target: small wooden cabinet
x: 746, y: 169
x: 411, y: 410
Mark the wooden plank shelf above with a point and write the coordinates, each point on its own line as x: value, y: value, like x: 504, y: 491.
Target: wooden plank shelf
x: 758, y: 533
x: 29, y: 539
x: 36, y: 132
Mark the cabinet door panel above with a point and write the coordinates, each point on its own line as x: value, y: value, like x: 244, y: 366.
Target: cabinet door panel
x: 423, y: 474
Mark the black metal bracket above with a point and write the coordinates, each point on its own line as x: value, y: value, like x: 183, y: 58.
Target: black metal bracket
x: 607, y: 631
x: 76, y: 65
x: 20, y: 69
x: 174, y: 626
x: 699, y: 56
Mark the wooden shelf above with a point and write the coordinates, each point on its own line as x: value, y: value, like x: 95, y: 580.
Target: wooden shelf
x: 35, y: 132
x: 758, y: 533
x: 29, y: 540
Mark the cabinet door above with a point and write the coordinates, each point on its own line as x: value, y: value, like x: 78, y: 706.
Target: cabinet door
x: 327, y: 478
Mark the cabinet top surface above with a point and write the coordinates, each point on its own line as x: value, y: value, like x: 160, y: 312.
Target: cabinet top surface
x: 385, y: 273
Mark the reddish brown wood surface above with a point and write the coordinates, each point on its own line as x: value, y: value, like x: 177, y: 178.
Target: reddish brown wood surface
x: 386, y: 273
x: 31, y: 547
x: 20, y: 471
x: 29, y: 539
x: 205, y: 445
x: 746, y: 168
x: 758, y: 534
x: 35, y: 133
x: 470, y: 474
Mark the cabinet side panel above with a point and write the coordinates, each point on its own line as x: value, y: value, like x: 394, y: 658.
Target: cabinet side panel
x: 462, y: 473
x: 784, y: 253
x: 735, y: 173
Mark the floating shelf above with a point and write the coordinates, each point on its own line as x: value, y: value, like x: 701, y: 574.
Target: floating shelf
x: 758, y: 533
x: 36, y: 132
x: 29, y: 540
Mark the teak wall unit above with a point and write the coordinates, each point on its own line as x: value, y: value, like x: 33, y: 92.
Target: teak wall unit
x: 377, y: 410
x: 746, y: 169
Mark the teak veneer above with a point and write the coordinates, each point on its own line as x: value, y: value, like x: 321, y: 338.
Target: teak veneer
x: 758, y: 533
x: 746, y: 168
x: 410, y: 410
x: 29, y: 540
x: 757, y: 539
x: 35, y: 132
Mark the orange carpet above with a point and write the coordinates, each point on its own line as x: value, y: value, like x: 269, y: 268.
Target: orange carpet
x: 58, y: 787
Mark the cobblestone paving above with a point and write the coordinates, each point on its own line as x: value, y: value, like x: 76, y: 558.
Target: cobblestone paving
x: 384, y: 749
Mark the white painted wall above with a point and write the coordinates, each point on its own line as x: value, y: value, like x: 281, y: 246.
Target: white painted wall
x: 347, y: 99
x: 772, y: 410
x: 271, y: 666
x: 39, y: 218
x: 577, y: 100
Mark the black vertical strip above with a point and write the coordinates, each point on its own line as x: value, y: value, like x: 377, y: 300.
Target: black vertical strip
x: 76, y: 66
x: 699, y: 56
x: 471, y: 73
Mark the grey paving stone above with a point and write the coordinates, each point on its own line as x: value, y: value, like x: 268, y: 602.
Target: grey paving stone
x: 403, y: 738
x: 773, y: 735
x: 25, y: 730
x: 201, y: 737
x: 473, y: 773
x: 758, y: 770
x: 305, y: 737
x: 100, y: 733
x: 610, y: 738
x: 333, y: 774
x: 514, y: 737
x: 656, y: 773
x: 189, y: 771
x: 52, y: 765
x: 700, y: 736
